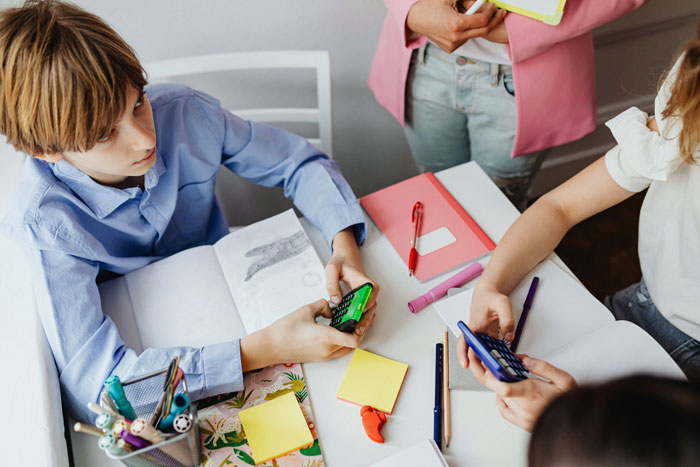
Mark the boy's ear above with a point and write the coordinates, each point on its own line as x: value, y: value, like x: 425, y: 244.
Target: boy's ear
x: 49, y: 157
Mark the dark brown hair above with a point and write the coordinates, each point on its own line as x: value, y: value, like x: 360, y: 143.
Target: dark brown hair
x: 64, y: 76
x: 635, y: 421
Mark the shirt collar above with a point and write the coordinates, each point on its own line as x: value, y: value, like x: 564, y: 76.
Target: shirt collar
x: 102, y: 199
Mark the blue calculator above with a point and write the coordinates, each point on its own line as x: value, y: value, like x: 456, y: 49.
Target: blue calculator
x: 495, y: 355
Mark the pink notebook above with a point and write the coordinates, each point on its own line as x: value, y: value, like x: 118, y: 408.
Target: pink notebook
x: 448, y: 236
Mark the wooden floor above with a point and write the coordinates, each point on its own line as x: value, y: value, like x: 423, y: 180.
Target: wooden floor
x: 602, y: 251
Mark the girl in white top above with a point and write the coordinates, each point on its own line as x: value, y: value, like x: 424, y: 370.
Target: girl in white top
x: 660, y: 153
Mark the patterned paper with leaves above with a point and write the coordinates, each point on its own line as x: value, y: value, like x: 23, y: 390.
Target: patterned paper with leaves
x: 223, y: 440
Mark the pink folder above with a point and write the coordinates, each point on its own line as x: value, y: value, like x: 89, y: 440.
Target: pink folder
x: 391, y: 207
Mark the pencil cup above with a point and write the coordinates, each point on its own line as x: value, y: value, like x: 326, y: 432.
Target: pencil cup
x: 156, y: 448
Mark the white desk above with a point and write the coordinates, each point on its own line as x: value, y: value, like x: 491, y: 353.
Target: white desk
x: 478, y: 432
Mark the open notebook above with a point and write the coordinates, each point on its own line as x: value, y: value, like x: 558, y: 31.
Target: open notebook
x: 215, y: 293
x: 569, y: 328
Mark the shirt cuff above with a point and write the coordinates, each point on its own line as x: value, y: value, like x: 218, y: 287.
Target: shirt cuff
x: 222, y: 368
x: 628, y: 182
x: 337, y: 218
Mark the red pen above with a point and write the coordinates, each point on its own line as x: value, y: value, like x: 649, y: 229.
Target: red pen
x: 415, y: 219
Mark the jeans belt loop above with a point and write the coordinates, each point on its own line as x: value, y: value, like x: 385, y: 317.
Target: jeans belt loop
x: 421, y: 53
x: 495, y: 69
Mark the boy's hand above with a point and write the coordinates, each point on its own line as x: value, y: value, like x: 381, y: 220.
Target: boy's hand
x: 522, y: 403
x: 440, y: 22
x: 298, y: 338
x: 346, y: 265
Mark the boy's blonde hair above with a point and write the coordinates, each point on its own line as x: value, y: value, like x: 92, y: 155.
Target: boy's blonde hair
x: 685, y: 99
x: 64, y: 76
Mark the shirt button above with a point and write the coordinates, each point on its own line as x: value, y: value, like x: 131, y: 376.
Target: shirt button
x: 461, y: 60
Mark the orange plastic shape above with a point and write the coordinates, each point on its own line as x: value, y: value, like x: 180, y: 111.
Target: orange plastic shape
x: 372, y: 422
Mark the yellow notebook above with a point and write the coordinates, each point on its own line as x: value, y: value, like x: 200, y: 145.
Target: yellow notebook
x: 372, y: 380
x: 547, y: 11
x: 275, y: 428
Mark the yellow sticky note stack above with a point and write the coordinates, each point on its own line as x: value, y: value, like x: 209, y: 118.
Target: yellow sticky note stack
x: 372, y: 380
x: 275, y: 428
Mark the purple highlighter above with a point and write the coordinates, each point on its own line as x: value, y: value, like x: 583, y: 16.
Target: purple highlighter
x: 440, y: 291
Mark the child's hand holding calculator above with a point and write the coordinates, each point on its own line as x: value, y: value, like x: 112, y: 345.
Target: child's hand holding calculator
x: 349, y: 311
x: 495, y: 355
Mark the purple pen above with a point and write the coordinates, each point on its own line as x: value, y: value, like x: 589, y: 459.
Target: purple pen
x: 523, y: 315
x: 440, y: 290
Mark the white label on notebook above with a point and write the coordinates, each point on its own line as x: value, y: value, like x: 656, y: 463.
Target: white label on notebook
x: 434, y: 240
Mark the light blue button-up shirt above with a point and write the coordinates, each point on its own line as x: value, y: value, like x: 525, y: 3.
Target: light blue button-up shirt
x: 81, y: 232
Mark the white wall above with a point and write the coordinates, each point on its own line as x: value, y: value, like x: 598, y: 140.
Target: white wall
x: 369, y: 144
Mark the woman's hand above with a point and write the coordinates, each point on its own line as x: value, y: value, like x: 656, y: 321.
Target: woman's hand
x: 522, y: 403
x: 439, y: 21
x: 298, y: 338
x: 346, y: 265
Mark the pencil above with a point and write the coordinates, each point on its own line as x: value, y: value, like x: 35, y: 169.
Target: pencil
x: 446, y: 391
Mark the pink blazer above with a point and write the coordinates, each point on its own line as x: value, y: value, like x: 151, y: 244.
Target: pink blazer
x: 553, y: 70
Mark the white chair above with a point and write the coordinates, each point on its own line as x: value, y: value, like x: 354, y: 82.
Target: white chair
x: 318, y: 60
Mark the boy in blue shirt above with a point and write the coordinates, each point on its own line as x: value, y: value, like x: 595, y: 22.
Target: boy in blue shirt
x: 122, y: 174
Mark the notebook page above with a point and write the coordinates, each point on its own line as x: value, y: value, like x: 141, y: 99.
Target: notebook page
x: 183, y: 300
x: 618, y: 349
x: 545, y: 7
x: 271, y: 269
x: 116, y: 304
x: 425, y: 454
x: 562, y: 310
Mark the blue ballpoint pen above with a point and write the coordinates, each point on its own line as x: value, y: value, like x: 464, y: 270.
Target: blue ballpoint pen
x: 437, y: 411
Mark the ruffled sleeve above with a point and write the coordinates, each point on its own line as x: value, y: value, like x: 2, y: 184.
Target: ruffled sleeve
x: 642, y: 155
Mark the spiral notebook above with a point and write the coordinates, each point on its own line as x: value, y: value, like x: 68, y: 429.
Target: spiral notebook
x: 448, y: 235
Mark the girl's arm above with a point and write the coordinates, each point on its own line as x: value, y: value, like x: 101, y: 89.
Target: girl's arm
x: 532, y: 237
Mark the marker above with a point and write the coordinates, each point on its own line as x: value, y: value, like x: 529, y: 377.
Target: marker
x: 98, y: 409
x: 180, y: 403
x: 182, y: 423
x: 416, y: 215
x: 120, y: 425
x: 177, y: 451
x: 105, y: 421
x: 106, y: 402
x: 523, y: 315
x: 116, y: 392
x: 440, y: 290
x: 108, y: 442
x: 87, y: 429
x: 135, y: 441
x: 475, y: 7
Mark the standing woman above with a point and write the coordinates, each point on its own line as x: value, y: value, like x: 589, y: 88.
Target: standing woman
x: 493, y: 89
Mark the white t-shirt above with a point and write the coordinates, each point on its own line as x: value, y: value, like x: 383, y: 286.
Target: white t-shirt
x: 484, y: 50
x: 669, y: 222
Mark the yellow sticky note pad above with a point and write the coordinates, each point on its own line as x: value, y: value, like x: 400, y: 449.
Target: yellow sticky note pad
x: 372, y: 380
x: 275, y: 428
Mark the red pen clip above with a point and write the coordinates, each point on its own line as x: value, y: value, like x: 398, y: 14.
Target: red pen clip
x: 416, y: 215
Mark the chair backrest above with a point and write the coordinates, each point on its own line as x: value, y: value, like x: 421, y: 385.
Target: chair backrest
x: 319, y: 60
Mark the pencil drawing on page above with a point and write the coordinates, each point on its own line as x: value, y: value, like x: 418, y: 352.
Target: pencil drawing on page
x: 274, y: 252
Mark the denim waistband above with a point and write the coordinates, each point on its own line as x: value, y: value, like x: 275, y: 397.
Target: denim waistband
x: 433, y: 51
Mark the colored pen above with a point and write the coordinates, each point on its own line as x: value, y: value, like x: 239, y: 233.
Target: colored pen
x: 447, y: 428
x: 105, y: 421
x: 116, y: 392
x: 108, y: 442
x: 120, y: 425
x: 523, y: 315
x: 182, y: 423
x: 437, y: 411
x: 98, y: 409
x: 180, y: 403
x: 475, y: 7
x: 441, y: 289
x: 87, y: 429
x: 416, y: 215
x: 177, y: 451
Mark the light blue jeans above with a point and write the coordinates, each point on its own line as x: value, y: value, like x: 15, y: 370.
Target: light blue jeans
x: 458, y: 110
x: 634, y: 304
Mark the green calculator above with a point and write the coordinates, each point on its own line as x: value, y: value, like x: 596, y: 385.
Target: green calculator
x: 350, y: 309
